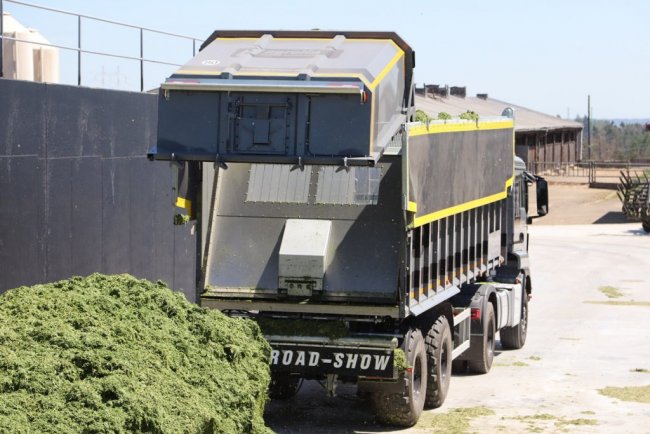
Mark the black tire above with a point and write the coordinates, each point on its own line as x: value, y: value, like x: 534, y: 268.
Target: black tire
x: 404, y: 409
x: 459, y: 367
x: 483, y: 365
x: 283, y: 386
x: 439, y: 361
x: 646, y: 226
x: 514, y: 338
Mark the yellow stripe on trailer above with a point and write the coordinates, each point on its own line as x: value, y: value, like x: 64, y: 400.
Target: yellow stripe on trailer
x: 428, y: 218
x: 454, y: 127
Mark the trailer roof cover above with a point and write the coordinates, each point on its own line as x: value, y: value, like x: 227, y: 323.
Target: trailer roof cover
x: 296, y: 57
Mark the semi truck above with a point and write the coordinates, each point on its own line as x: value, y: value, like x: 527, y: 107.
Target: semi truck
x: 369, y: 247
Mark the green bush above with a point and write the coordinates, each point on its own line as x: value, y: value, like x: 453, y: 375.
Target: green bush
x: 469, y: 116
x: 421, y: 116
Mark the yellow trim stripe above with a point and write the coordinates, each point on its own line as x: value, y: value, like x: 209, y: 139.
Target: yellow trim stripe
x: 372, y: 86
x: 436, y: 128
x: 428, y: 218
x: 412, y: 207
x: 181, y: 202
x: 387, y: 69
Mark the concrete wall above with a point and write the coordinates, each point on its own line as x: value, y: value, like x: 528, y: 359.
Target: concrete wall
x: 77, y: 194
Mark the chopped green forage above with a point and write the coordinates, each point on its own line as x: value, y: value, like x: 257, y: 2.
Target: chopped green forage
x: 116, y: 354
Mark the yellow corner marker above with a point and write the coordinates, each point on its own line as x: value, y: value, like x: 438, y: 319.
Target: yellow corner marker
x: 186, y: 204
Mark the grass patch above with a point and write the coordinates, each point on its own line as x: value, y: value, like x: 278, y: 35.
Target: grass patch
x: 588, y: 412
x: 537, y: 422
x: 517, y: 363
x: 640, y: 370
x: 621, y: 303
x: 535, y: 358
x: 538, y: 416
x: 611, y: 291
x: 580, y: 421
x: 455, y: 421
x: 119, y: 354
x: 631, y: 393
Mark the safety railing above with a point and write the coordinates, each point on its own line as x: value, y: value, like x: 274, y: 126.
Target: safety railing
x: 80, y: 20
x: 596, y: 173
x: 554, y: 168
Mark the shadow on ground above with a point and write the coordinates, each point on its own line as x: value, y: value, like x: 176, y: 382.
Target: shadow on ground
x: 639, y: 232
x: 312, y: 411
x: 611, y: 217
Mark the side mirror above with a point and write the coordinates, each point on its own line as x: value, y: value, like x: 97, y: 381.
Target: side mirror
x: 542, y: 197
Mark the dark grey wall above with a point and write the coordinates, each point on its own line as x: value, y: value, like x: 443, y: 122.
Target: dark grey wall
x: 77, y: 194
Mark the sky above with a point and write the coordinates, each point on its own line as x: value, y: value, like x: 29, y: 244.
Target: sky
x: 545, y: 55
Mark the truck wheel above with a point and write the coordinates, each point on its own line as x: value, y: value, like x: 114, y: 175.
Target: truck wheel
x: 513, y: 338
x: 439, y: 348
x: 646, y: 226
x: 283, y: 385
x: 404, y: 409
x: 483, y: 365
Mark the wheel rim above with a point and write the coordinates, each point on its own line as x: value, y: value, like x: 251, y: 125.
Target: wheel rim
x: 490, y: 340
x: 524, y: 319
x: 417, y: 377
x: 444, y: 364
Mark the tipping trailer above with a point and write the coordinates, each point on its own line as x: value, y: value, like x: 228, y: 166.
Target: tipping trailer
x: 369, y: 248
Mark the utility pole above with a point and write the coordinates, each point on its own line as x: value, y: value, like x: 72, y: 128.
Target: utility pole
x: 589, y: 127
x: 2, y: 39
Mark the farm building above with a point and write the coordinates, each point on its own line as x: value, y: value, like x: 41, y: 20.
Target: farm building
x: 542, y: 141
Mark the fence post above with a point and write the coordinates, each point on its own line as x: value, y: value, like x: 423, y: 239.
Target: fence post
x: 79, y: 50
x: 2, y: 39
x: 141, y: 60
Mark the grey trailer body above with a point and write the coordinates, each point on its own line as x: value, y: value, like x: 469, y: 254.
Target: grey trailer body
x: 346, y: 230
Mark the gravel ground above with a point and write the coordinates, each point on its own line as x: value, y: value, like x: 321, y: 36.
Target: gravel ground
x: 579, y: 340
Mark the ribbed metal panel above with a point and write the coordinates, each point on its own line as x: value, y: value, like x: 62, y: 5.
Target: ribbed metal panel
x: 351, y: 186
x: 278, y: 183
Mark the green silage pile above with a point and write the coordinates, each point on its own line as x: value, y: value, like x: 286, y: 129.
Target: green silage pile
x: 118, y: 354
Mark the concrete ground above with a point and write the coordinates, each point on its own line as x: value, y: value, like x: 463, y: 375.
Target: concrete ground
x: 573, y: 204
x: 579, y: 341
